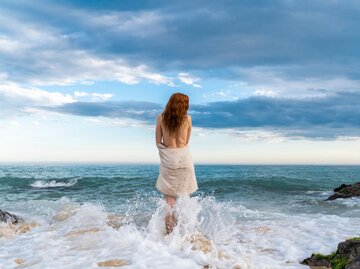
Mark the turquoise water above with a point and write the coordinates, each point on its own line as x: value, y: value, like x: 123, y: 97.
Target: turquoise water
x: 302, y: 187
x: 233, y: 203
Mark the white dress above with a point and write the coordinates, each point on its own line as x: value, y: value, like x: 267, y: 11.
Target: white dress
x: 176, y: 172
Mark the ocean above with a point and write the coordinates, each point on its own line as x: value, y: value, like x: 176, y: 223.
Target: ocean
x: 248, y: 217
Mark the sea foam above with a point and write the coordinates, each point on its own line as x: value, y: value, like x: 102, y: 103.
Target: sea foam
x: 74, y: 236
x: 52, y: 183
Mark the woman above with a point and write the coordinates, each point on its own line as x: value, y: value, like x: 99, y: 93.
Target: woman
x: 176, y: 173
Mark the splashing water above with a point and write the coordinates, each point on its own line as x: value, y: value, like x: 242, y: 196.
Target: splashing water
x: 52, y: 183
x: 267, y: 223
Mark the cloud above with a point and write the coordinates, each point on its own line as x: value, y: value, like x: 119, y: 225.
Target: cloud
x: 40, y: 54
x: 13, y: 94
x: 80, y: 94
x: 142, y: 24
x: 188, y: 79
x: 102, y: 96
x: 144, y: 111
x: 95, y: 96
x: 325, y: 118
x: 264, y: 92
x: 16, y: 100
x: 211, y: 38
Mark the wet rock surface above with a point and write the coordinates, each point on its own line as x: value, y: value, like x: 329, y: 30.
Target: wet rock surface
x: 113, y: 263
x: 9, y: 218
x: 347, y: 256
x: 346, y: 191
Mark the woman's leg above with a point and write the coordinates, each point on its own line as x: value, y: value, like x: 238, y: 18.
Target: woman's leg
x: 170, y: 220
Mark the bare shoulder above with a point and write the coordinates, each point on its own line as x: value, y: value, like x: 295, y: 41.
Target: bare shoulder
x: 189, y: 118
x: 159, y: 117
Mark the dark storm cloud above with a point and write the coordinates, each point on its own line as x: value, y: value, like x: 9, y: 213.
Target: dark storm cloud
x: 144, y: 111
x: 212, y: 35
x: 314, y: 118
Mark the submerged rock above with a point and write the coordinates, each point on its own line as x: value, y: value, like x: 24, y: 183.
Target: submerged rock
x: 19, y: 261
x: 10, y: 230
x: 201, y: 242
x: 113, y: 263
x: 115, y: 221
x: 346, y: 191
x: 83, y: 231
x: 13, y: 225
x: 64, y: 214
x: 347, y: 256
x: 9, y: 218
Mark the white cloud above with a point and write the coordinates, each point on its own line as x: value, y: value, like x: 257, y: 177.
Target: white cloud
x: 14, y: 123
x: 95, y: 96
x: 264, y: 92
x: 102, y: 96
x: 348, y: 138
x: 116, y: 122
x: 140, y: 24
x: 9, y: 46
x: 80, y: 94
x: 74, y: 66
x: 44, y: 56
x: 189, y: 79
x: 271, y: 80
x: 257, y: 135
x: 14, y: 94
x: 221, y: 94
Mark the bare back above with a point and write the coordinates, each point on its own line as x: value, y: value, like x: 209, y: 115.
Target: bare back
x: 178, y: 141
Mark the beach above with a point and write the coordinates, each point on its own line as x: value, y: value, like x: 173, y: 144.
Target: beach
x: 242, y: 216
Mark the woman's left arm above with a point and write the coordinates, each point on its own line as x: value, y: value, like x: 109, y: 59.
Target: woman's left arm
x: 158, y: 132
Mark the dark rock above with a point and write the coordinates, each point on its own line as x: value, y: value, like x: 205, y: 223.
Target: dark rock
x: 347, y: 256
x: 350, y: 249
x: 354, y: 265
x: 317, y: 260
x: 346, y: 191
x: 9, y: 218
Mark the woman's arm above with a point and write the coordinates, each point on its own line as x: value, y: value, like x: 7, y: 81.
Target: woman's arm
x: 158, y: 132
x: 189, y: 130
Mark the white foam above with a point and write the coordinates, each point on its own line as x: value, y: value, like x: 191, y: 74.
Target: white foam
x: 241, y: 236
x: 52, y: 183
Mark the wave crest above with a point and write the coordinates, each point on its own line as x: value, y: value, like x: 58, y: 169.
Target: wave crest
x: 53, y: 183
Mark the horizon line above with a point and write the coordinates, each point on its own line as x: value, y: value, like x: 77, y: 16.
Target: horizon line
x: 158, y: 163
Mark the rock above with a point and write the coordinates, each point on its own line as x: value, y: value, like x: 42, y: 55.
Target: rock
x: 355, y: 264
x: 113, y: 263
x: 114, y: 221
x: 19, y: 261
x: 262, y: 229
x: 317, y: 260
x: 11, y: 230
x: 345, y: 191
x: 350, y: 248
x: 9, y: 218
x: 347, y: 256
x: 24, y: 227
x: 64, y: 214
x: 200, y: 242
x: 83, y: 231
x: 15, y: 225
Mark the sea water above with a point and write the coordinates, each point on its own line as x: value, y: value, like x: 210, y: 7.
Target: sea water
x: 253, y: 217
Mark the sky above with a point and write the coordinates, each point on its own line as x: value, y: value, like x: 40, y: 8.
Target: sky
x: 270, y: 82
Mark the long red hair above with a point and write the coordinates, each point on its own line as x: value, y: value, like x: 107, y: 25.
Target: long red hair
x: 175, y: 112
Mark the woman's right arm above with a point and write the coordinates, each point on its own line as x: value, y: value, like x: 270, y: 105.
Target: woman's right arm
x: 189, y: 130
